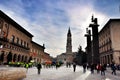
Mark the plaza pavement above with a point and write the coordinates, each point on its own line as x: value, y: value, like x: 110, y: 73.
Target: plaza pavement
x: 62, y: 73
x: 12, y: 73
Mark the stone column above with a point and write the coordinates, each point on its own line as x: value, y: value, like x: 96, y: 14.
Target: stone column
x: 95, y: 41
x: 88, y: 48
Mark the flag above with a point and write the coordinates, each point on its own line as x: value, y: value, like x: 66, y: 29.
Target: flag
x: 34, y: 54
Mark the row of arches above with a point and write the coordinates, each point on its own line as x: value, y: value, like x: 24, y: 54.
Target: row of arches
x: 9, y: 57
x: 106, y: 59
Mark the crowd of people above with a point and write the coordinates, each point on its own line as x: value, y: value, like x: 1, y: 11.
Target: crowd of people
x: 101, y: 68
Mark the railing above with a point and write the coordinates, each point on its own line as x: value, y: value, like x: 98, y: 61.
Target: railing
x: 16, y: 44
x: 3, y: 39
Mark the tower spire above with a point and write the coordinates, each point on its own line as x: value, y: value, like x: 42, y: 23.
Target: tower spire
x: 69, y: 32
x: 69, y: 42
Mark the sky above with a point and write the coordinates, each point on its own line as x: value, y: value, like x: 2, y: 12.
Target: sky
x: 49, y: 20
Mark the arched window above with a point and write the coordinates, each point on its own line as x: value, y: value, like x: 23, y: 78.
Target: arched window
x: 9, y: 57
x: 22, y: 58
x: 19, y: 58
x: 21, y: 42
x: 14, y: 57
x: 27, y: 45
x: 12, y: 38
x: 2, y: 56
x: 24, y: 44
x: 17, y: 40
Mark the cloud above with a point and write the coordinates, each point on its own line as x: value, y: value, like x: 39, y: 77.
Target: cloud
x: 49, y: 21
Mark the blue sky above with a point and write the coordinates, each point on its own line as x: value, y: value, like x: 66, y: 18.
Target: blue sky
x: 49, y: 20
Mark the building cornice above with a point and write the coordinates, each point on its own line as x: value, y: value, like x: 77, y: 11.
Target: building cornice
x: 16, y: 25
x: 107, y: 24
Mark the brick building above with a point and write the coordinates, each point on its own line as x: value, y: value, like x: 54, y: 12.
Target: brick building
x: 36, y: 51
x: 16, y: 43
x: 46, y: 58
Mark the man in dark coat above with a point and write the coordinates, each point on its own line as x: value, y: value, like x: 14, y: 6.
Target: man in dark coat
x: 74, y: 66
x: 84, y: 67
x: 39, y: 67
x: 103, y: 68
x: 113, y: 67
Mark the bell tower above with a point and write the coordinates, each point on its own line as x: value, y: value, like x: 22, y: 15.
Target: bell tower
x: 69, y: 42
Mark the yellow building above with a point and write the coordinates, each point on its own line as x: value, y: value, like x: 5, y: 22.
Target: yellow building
x: 109, y: 42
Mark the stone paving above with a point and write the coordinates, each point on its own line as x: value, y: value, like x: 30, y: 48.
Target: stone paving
x: 108, y: 76
x: 12, y: 73
x: 62, y: 73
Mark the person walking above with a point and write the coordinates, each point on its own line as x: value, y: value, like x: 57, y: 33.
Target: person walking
x: 103, y: 68
x: 84, y: 67
x: 113, y: 67
x: 39, y: 67
x: 92, y: 68
x: 26, y: 66
x: 74, y: 66
x: 98, y: 67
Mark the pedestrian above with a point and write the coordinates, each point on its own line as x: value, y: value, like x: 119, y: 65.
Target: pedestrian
x: 26, y: 66
x: 98, y: 67
x: 57, y: 65
x: 113, y: 67
x: 103, y: 68
x: 69, y: 64
x: 84, y: 67
x: 39, y: 67
x: 74, y: 66
x: 92, y: 68
x: 87, y: 66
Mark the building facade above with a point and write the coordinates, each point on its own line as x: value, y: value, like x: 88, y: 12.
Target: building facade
x: 109, y: 42
x: 16, y: 43
x: 46, y: 58
x: 36, y: 51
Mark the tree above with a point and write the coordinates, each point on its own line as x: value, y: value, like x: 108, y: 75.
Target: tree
x: 81, y: 56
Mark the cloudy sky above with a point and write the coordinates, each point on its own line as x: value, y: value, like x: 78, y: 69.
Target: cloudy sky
x: 49, y: 20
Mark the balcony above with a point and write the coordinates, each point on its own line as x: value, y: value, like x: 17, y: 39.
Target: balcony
x: 16, y: 44
x: 3, y: 39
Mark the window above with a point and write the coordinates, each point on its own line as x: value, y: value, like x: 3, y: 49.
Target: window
x: 21, y: 42
x: 25, y: 44
x: 17, y: 40
x: 31, y: 50
x: 34, y: 50
x: 12, y: 38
